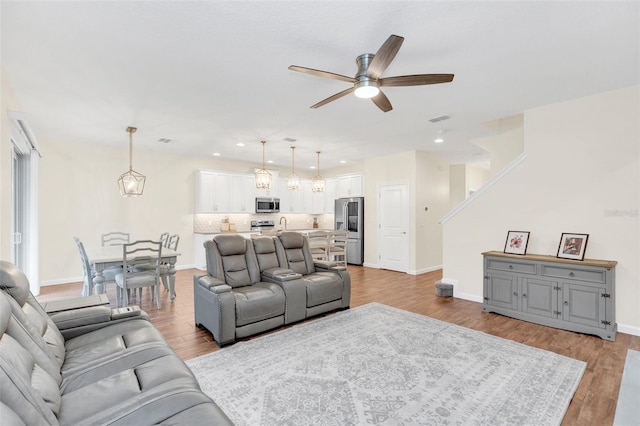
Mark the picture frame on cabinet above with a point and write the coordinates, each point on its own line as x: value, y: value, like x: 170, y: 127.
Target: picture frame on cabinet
x: 572, y: 246
x: 517, y: 242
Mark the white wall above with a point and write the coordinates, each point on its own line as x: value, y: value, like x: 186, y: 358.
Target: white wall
x: 427, y: 177
x: 581, y: 175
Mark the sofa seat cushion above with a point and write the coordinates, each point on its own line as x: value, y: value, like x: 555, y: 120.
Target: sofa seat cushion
x: 258, y: 302
x: 109, y: 343
x: 323, y: 287
x: 125, y: 391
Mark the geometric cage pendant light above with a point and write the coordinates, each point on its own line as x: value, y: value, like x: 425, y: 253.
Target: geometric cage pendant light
x: 263, y: 177
x: 131, y: 183
x: 293, y: 181
x: 318, y: 183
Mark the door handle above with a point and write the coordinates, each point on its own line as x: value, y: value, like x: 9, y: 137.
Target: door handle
x: 403, y: 232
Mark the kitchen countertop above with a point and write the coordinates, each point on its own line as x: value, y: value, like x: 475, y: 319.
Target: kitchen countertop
x: 269, y: 232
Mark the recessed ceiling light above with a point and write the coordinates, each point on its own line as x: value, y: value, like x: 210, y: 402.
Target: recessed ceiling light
x: 239, y: 144
x: 438, y: 140
x: 216, y: 154
x: 312, y: 167
x: 343, y: 161
x: 270, y: 161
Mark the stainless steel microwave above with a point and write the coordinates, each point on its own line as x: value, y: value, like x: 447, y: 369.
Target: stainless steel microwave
x: 267, y: 205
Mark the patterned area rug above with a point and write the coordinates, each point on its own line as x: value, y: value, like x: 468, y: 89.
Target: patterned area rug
x: 378, y: 365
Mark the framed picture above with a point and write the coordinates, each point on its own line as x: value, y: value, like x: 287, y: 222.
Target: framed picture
x: 517, y: 242
x: 572, y: 246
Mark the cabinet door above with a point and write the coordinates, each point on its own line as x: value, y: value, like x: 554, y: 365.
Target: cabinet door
x: 502, y: 290
x: 205, y: 186
x: 212, y: 192
x: 350, y: 186
x: 285, y: 197
x: 222, y: 193
x: 540, y: 297
x: 242, y: 194
x: 583, y: 304
x: 330, y: 195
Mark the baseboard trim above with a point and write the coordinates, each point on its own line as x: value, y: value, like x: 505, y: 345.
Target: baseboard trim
x: 424, y: 270
x: 627, y: 329
x: 371, y: 265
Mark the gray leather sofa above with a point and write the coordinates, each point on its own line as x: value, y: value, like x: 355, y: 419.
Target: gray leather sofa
x: 257, y: 285
x: 232, y: 301
x: 90, y: 366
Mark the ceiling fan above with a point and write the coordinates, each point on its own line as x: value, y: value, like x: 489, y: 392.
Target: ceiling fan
x: 367, y: 81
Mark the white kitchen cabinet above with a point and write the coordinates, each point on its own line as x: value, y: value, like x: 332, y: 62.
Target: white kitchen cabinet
x: 243, y: 193
x: 350, y: 186
x: 330, y: 195
x: 274, y: 190
x: 212, y: 192
x: 312, y: 202
x: 290, y: 201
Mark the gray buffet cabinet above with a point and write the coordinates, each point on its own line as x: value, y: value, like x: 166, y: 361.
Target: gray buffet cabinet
x: 568, y: 294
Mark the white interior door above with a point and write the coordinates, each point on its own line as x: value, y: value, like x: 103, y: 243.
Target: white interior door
x: 393, y: 227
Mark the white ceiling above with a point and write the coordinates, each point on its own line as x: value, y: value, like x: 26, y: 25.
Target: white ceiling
x: 208, y: 75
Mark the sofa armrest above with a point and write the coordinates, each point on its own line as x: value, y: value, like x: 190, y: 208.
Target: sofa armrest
x: 73, y: 323
x: 329, y: 266
x: 212, y: 284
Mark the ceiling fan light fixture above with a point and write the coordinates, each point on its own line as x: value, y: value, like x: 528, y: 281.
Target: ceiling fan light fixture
x: 366, y: 89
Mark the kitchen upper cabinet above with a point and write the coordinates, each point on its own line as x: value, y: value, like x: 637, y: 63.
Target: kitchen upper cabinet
x: 330, y: 195
x: 312, y: 202
x: 290, y: 201
x: 212, y: 192
x: 243, y: 194
x: 274, y: 190
x: 350, y: 186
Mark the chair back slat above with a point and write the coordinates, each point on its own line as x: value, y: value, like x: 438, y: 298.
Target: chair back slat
x: 115, y: 238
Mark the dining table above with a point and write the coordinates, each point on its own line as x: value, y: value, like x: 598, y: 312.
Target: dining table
x: 108, y: 256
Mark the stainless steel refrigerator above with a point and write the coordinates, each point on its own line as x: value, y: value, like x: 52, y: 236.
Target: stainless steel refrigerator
x: 349, y: 216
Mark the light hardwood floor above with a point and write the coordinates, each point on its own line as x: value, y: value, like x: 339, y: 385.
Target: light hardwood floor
x: 594, y: 402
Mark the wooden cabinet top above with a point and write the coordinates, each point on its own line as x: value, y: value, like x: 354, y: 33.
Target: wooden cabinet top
x: 545, y: 258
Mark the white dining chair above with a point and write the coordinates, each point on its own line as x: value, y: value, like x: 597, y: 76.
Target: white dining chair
x: 338, y: 246
x: 145, y: 251
x: 89, y: 272
x: 319, y: 244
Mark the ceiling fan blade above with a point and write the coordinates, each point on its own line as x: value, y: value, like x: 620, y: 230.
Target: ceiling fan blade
x: 415, y: 80
x: 334, y: 97
x: 325, y: 74
x: 382, y: 102
x: 384, y: 56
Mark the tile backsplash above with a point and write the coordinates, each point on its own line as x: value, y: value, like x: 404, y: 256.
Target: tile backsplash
x: 211, y: 223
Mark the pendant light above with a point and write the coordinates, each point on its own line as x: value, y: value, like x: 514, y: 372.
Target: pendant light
x: 263, y: 177
x: 293, y: 181
x: 317, y: 184
x: 131, y: 183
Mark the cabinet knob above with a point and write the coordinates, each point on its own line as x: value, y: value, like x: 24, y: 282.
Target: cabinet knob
x: 571, y: 274
x: 515, y: 293
x: 566, y: 303
x: 524, y: 295
x: 510, y: 266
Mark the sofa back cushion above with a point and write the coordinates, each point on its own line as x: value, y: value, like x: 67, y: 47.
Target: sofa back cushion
x: 293, y: 252
x: 30, y: 314
x: 265, y: 249
x: 27, y: 388
x: 231, y: 259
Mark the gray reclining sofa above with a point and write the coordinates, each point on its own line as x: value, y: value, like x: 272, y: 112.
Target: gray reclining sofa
x: 90, y: 366
x: 256, y: 285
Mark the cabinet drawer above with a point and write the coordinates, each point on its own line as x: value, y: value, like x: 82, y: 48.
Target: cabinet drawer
x: 594, y: 276
x: 501, y: 265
